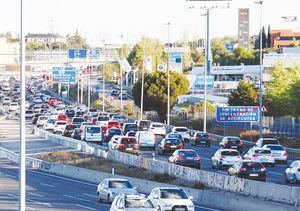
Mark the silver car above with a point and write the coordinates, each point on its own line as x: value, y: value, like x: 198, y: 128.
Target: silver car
x: 279, y: 152
x: 292, y: 173
x: 132, y: 203
x: 108, y: 189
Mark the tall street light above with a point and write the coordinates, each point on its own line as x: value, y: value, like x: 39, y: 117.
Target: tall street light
x: 168, y: 75
x: 22, y: 147
x: 121, y: 109
x: 143, y: 79
x: 260, y: 72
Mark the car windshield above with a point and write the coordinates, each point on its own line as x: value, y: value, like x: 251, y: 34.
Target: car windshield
x: 103, y: 118
x: 172, y: 141
x: 93, y: 130
x: 128, y: 140
x: 252, y: 165
x: 188, y: 153
x: 138, y: 203
x: 181, y: 130
x: 173, y: 194
x: 262, y: 151
x: 119, y: 184
x: 275, y: 148
x: 230, y: 153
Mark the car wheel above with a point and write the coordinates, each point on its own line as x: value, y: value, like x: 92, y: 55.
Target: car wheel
x: 54, y: 132
x: 286, y: 178
x: 99, y: 198
x: 162, y: 152
x: 218, y: 166
x: 294, y: 179
x: 109, y: 199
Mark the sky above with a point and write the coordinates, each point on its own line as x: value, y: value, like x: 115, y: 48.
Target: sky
x: 100, y: 20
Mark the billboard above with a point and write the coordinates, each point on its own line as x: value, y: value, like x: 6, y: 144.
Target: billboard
x: 199, y: 82
x: 238, y: 114
x: 64, y: 74
x: 176, y: 61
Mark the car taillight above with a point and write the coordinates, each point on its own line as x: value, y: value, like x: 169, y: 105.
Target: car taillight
x: 239, y: 157
x: 179, y: 157
x: 167, y: 146
x: 255, y: 156
x: 285, y: 154
x: 180, y: 146
x: 263, y: 169
x: 243, y: 169
x: 121, y: 146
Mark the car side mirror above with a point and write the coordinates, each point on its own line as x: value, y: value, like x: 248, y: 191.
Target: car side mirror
x: 134, y: 188
x: 191, y: 197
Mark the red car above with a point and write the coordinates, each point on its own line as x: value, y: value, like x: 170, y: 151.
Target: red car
x: 63, y: 117
x: 53, y: 101
x: 113, y: 125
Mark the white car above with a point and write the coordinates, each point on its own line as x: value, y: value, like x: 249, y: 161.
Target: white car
x: 158, y: 128
x: 279, y: 152
x: 92, y: 133
x: 60, y: 110
x: 102, y: 121
x: 37, y: 109
x: 113, y: 142
x: 183, y: 131
x: 59, y: 126
x: 262, y: 155
x: 6, y: 101
x: 13, y: 107
x: 167, y: 198
x: 29, y: 114
x: 41, y: 120
x: 225, y: 157
x: 125, y: 202
x: 108, y: 189
x: 49, y: 125
x: 145, y: 139
x: 53, y: 116
x: 292, y: 173
x: 61, y: 105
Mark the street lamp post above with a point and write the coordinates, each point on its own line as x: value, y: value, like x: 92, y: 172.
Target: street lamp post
x: 143, y: 79
x: 260, y: 73
x: 168, y: 75
x: 121, y: 106
x: 103, y: 88
x: 22, y: 147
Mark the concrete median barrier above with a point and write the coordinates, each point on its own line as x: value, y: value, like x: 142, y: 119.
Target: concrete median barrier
x: 263, y: 190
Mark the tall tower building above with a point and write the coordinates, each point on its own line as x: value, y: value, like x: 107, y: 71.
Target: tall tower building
x: 243, y: 29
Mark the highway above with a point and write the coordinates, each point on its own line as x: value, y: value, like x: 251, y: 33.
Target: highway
x: 50, y: 192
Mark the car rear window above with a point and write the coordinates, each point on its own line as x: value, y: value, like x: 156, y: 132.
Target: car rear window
x: 103, y: 118
x: 276, y: 147
x: 252, y: 165
x: 128, y: 140
x: 61, y: 123
x: 93, y: 129
x: 270, y: 141
x: 262, y: 151
x: 115, y: 131
x: 181, y: 130
x: 130, y: 126
x: 230, y: 153
x: 157, y: 125
x: 233, y: 139
x: 78, y: 120
x: 188, y: 153
x: 43, y: 118
x: 172, y: 141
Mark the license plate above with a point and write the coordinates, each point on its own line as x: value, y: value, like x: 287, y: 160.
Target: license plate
x: 188, y: 158
x: 264, y: 160
x: 173, y: 146
x: 129, y: 148
x: 234, y: 147
x: 253, y: 175
x: 179, y: 209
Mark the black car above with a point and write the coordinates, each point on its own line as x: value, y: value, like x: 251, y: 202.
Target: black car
x: 175, y: 135
x: 129, y: 127
x: 35, y: 118
x: 201, y: 138
x: 232, y: 142
x: 112, y: 132
x: 169, y: 145
x: 69, y: 130
x: 248, y: 170
x: 70, y: 113
x: 186, y: 157
x: 115, y: 92
x: 76, y: 134
x: 79, y: 114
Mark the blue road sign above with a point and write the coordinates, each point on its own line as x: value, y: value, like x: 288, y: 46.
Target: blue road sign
x: 77, y: 53
x: 199, y: 82
x: 238, y: 114
x: 65, y: 74
x: 93, y: 54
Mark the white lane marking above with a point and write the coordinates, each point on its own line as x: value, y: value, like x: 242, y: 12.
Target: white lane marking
x: 10, y: 176
x: 205, y: 158
x: 90, y: 195
x: 47, y: 185
x: 221, y: 172
x: 11, y: 195
x: 64, y: 178
x: 74, y: 197
x: 207, y: 208
x: 40, y: 203
x: 272, y: 172
x: 85, y: 207
x: 35, y: 194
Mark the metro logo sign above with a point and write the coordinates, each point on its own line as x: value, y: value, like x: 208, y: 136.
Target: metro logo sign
x: 238, y: 114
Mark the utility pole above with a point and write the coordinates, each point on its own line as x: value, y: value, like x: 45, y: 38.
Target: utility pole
x: 121, y: 109
x: 103, y: 88
x: 89, y: 88
x: 81, y: 94
x: 168, y: 75
x: 143, y: 81
x: 22, y: 144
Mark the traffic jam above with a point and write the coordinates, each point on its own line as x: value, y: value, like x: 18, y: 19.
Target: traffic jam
x: 176, y: 145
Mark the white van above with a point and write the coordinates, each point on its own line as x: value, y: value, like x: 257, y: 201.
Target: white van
x: 145, y: 139
x: 92, y: 133
x: 158, y: 128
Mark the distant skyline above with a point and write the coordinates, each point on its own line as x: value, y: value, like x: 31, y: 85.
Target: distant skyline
x: 100, y: 20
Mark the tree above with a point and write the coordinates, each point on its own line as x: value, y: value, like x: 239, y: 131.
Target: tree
x: 264, y: 39
x: 76, y: 41
x: 246, y: 94
x: 243, y: 56
x: 155, y: 91
x: 294, y: 100
x: 269, y: 37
